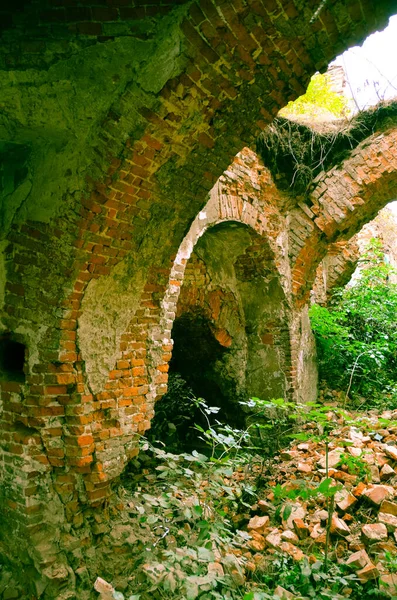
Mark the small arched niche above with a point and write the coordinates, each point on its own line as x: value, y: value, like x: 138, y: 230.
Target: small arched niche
x: 12, y: 359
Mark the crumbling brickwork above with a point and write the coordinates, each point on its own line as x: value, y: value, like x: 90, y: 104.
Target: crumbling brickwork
x: 118, y: 121
x: 342, y: 258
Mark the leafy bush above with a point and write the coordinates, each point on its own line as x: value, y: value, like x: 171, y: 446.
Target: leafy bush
x: 357, y: 334
x: 176, y: 414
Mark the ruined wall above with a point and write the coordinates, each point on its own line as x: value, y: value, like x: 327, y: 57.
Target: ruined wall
x: 116, y: 123
x: 335, y: 269
x: 235, y: 289
x: 342, y: 261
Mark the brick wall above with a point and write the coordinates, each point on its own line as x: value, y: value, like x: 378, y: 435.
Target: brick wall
x: 121, y: 153
x: 341, y: 260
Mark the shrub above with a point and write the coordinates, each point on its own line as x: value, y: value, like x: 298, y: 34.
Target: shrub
x: 357, y: 334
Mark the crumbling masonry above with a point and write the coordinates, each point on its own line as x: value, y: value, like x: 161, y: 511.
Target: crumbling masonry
x: 127, y: 145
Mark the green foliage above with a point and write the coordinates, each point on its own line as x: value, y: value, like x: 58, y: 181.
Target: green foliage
x: 189, y: 509
x: 357, y: 334
x: 185, y: 519
x: 390, y: 562
x: 307, y: 580
x: 319, y: 94
x: 176, y: 414
x: 325, y: 489
x: 356, y: 466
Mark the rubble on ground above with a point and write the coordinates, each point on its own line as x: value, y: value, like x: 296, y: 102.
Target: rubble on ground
x: 363, y: 462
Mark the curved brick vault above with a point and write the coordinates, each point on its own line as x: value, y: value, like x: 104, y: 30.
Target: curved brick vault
x: 344, y: 199
x: 117, y: 120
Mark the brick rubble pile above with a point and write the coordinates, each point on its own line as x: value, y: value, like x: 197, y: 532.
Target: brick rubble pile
x: 363, y: 462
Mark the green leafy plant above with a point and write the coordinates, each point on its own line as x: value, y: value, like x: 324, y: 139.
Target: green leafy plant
x: 355, y: 466
x: 307, y: 580
x: 390, y: 562
x: 357, y: 334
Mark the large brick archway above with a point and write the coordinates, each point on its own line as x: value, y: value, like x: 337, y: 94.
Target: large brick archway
x: 225, y: 272
x: 118, y: 120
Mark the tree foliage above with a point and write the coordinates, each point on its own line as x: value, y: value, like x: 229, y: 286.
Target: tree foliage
x: 319, y: 95
x: 357, y: 334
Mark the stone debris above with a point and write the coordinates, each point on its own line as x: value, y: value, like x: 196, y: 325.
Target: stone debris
x: 369, y: 572
x: 358, y: 560
x: 334, y: 457
x: 274, y: 539
x: 289, y: 536
x: 376, y: 494
x: 258, y: 524
x: 344, y: 500
x: 216, y: 569
x: 301, y: 529
x: 375, y: 473
x: 374, y: 532
x: 304, y: 467
x: 257, y: 542
x: 389, y: 520
x: 391, y: 451
x: 364, y: 519
x: 339, y: 526
x: 320, y: 515
x: 296, y: 511
x: 386, y: 472
x: 388, y: 583
x: 104, y: 589
x: 389, y: 507
x: 282, y: 594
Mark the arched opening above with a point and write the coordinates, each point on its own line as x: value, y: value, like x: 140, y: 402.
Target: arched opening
x: 196, y: 354
x: 230, y: 333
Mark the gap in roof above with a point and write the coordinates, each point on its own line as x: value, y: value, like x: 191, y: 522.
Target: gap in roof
x: 371, y: 72
x: 371, y: 69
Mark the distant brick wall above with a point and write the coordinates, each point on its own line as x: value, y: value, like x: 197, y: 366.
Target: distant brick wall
x: 335, y: 269
x: 341, y: 260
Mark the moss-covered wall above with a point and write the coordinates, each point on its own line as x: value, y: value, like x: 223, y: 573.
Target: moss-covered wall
x: 115, y: 122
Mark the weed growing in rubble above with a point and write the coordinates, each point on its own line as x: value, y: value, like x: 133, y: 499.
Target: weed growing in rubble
x: 307, y: 580
x: 191, y: 509
x: 390, y: 562
x: 355, y: 466
x: 192, y: 523
x: 192, y: 545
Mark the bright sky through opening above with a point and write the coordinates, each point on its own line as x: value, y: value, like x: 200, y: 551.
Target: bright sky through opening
x: 371, y: 69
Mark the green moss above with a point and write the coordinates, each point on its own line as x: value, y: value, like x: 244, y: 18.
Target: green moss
x: 61, y: 114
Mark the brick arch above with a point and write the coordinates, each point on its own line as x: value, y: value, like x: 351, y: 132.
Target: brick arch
x: 147, y: 163
x: 336, y: 269
x: 344, y: 199
x: 221, y: 211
